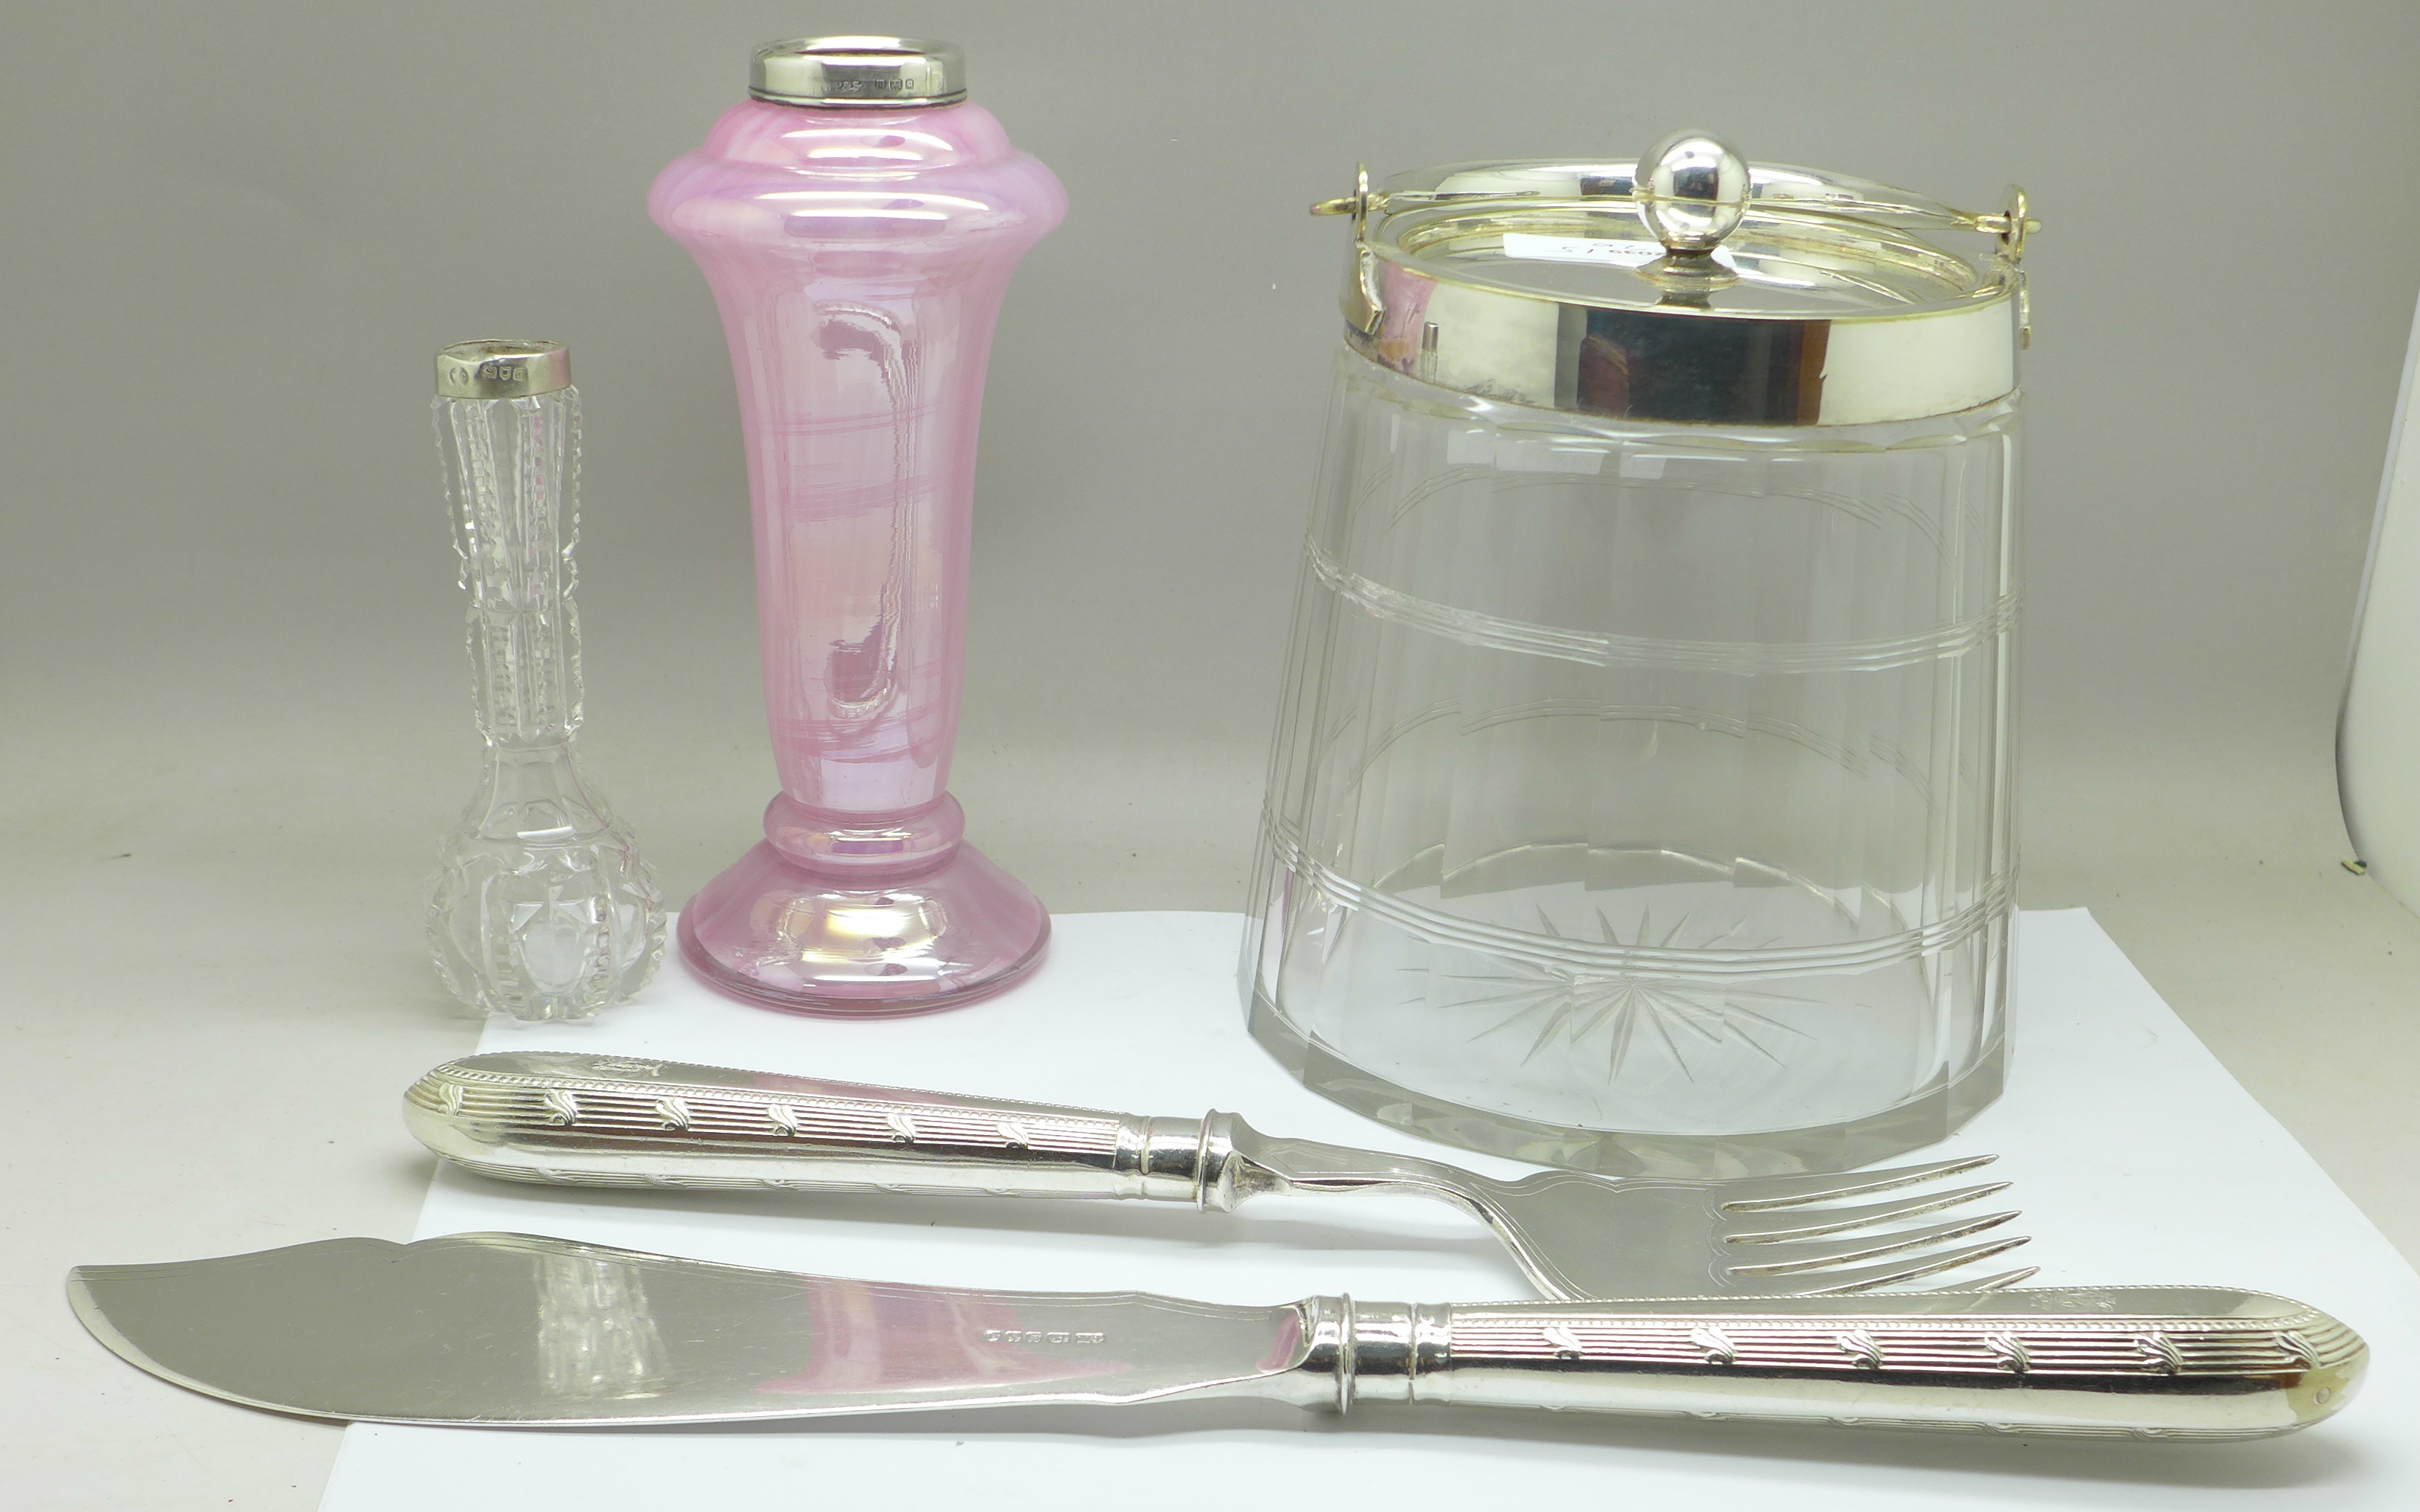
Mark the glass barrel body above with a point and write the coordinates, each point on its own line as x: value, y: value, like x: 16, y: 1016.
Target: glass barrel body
x: 540, y: 907
x: 1641, y: 798
x: 859, y: 257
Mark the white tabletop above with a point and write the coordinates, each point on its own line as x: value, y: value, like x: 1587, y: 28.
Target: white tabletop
x: 2135, y: 1156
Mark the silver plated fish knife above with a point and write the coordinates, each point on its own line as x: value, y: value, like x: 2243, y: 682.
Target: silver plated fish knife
x: 517, y: 1330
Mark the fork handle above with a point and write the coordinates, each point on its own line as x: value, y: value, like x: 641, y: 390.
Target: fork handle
x: 615, y: 1120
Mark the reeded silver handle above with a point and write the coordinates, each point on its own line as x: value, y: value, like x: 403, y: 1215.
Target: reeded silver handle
x: 612, y: 1120
x: 2195, y: 1363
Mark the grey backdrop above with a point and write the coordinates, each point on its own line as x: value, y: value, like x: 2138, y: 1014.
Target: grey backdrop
x: 235, y: 713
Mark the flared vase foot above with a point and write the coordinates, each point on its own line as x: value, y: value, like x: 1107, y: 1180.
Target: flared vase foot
x: 855, y: 944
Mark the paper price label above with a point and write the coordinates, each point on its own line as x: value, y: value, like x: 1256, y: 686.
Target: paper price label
x: 1621, y: 254
x: 1523, y: 246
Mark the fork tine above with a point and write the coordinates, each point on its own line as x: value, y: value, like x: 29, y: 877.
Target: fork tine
x: 1996, y: 1283
x: 1789, y: 1258
x: 1909, y: 1268
x: 1810, y: 1223
x: 1757, y: 1193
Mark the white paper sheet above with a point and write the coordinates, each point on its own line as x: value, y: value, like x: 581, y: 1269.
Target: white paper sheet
x: 2135, y: 1157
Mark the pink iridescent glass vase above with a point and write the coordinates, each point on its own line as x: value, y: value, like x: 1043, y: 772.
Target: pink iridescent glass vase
x: 858, y: 222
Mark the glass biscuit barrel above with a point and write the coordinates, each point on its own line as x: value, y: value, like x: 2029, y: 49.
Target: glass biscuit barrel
x: 1642, y: 797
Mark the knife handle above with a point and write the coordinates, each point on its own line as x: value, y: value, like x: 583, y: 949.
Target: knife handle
x: 2142, y: 1362
x: 618, y: 1120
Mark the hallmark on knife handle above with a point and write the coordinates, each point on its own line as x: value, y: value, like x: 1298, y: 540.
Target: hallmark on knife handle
x: 1037, y: 1335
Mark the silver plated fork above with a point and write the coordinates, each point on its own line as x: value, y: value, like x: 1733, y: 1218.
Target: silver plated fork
x: 605, y: 1120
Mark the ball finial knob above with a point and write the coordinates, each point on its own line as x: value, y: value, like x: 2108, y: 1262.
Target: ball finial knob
x: 1692, y: 189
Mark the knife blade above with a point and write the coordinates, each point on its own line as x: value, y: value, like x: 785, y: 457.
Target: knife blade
x: 521, y: 1330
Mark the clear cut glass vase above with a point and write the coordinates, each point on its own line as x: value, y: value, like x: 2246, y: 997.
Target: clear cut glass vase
x: 540, y: 906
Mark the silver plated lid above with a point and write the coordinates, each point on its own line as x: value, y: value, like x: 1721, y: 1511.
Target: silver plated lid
x: 502, y: 369
x: 859, y: 70
x: 1688, y: 285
